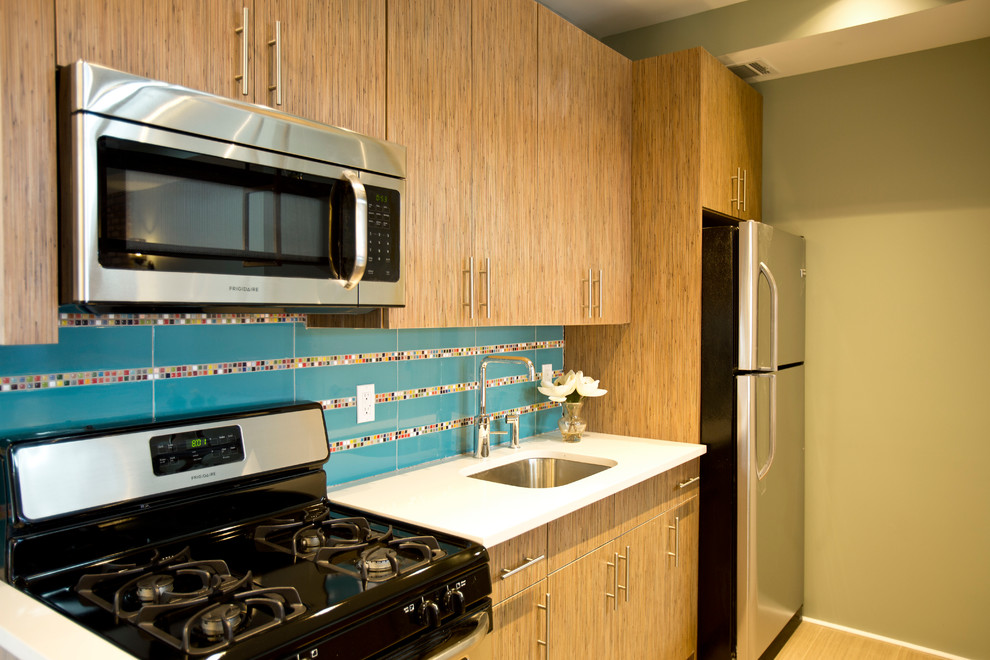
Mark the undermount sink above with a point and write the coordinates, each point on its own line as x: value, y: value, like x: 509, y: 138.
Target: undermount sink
x: 542, y: 471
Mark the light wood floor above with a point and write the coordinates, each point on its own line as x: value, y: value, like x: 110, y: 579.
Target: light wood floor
x: 813, y: 642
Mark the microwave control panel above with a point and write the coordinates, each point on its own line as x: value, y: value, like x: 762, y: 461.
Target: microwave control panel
x: 383, y: 235
x: 196, y: 450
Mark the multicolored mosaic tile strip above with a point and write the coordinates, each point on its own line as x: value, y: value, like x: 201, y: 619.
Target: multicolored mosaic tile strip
x: 120, y: 320
x: 354, y: 443
x: 106, y: 377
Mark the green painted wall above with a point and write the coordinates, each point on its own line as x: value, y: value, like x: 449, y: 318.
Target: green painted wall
x: 885, y: 168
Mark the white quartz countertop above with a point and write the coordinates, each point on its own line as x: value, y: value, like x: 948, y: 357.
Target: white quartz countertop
x: 441, y: 496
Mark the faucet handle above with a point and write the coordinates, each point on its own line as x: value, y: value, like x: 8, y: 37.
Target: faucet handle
x: 513, y: 422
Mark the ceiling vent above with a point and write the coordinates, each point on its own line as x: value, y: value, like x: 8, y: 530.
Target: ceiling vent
x: 752, y: 70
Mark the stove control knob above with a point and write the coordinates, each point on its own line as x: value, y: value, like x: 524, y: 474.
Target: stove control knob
x: 454, y: 600
x: 429, y: 613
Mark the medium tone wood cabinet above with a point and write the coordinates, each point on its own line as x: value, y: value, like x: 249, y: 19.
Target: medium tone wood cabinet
x: 492, y: 238
x: 731, y: 141
x: 652, y: 366
x: 428, y: 111
x: 584, y: 170
x: 28, y: 229
x: 319, y: 59
x: 463, y: 104
x: 620, y: 578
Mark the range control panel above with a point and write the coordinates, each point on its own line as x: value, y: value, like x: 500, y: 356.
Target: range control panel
x: 196, y: 450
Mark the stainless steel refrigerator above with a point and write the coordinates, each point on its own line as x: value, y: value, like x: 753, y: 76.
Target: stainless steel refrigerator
x: 751, y: 552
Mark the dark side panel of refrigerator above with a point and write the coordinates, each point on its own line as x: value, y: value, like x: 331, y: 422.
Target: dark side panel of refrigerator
x: 717, y: 550
x: 751, y: 548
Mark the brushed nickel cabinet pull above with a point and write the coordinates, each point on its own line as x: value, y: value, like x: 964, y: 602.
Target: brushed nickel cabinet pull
x: 470, y: 275
x: 601, y: 296
x: 744, y: 189
x: 624, y: 587
x: 737, y: 200
x: 243, y: 31
x: 277, y: 43
x: 546, y: 613
x: 591, y: 283
x: 676, y: 554
x: 615, y: 580
x: 685, y: 484
x: 529, y: 562
x: 487, y: 272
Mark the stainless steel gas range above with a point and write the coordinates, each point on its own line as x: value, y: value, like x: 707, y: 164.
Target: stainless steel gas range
x: 213, y: 538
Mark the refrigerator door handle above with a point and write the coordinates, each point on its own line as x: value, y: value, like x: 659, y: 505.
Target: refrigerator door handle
x: 774, y: 316
x: 762, y: 471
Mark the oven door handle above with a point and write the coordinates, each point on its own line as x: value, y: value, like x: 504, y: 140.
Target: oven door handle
x: 462, y: 648
x: 360, y: 229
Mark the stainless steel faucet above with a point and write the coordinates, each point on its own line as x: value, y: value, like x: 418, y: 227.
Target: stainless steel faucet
x: 482, y: 437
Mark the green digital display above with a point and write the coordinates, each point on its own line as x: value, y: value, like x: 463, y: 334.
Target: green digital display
x: 195, y: 443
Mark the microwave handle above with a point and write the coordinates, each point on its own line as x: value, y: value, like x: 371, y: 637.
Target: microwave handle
x: 360, y: 229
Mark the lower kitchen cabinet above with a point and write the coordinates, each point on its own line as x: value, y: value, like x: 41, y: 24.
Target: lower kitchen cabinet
x: 521, y: 624
x: 624, y: 595
x: 680, y: 621
x: 581, y: 607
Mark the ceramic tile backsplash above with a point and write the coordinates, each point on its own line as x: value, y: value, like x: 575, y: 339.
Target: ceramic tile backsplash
x: 107, y: 370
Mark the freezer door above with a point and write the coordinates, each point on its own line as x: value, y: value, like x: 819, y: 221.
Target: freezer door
x: 771, y: 297
x: 770, y: 500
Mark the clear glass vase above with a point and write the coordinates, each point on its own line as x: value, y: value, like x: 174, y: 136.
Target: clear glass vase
x: 571, y: 424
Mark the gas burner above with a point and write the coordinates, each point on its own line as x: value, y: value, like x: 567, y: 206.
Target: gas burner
x: 154, y: 588
x: 126, y: 590
x: 356, y: 530
x: 220, y: 620
x: 381, y: 561
x: 308, y: 540
x: 310, y: 537
x: 378, y: 564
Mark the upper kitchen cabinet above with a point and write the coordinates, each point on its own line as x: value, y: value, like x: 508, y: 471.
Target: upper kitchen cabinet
x: 731, y: 141
x: 584, y: 173
x: 28, y: 289
x: 319, y: 59
x: 323, y: 60
x: 429, y: 111
x: 463, y: 102
x: 196, y: 43
x: 509, y: 232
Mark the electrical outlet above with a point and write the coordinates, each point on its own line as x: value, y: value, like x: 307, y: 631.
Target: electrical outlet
x: 547, y: 372
x: 365, y: 403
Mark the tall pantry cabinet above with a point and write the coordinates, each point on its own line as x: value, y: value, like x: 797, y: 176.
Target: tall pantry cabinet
x: 687, y: 135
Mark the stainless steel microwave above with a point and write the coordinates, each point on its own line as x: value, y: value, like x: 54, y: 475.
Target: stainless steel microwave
x: 171, y: 197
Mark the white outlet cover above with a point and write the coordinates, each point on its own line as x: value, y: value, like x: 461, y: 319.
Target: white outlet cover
x: 365, y: 403
x: 547, y: 372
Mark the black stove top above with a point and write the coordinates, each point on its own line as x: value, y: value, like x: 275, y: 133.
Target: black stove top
x: 259, y: 568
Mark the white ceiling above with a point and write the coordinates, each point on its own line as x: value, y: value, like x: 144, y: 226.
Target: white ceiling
x: 814, y: 34
x: 601, y: 18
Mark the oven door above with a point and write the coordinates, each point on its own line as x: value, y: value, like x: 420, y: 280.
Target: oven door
x: 465, y: 638
x: 159, y: 217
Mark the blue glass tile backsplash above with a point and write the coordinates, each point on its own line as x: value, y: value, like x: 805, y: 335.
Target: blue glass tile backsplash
x: 137, y: 368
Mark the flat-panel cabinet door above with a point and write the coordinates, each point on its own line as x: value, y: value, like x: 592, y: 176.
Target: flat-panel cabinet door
x: 429, y: 112
x: 519, y: 628
x: 583, y: 607
x: 194, y: 43
x: 323, y: 60
x: 509, y: 229
x: 680, y: 622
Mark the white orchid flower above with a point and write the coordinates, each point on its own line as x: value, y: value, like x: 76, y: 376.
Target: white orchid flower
x: 570, y: 386
x: 587, y: 386
x: 559, y: 389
